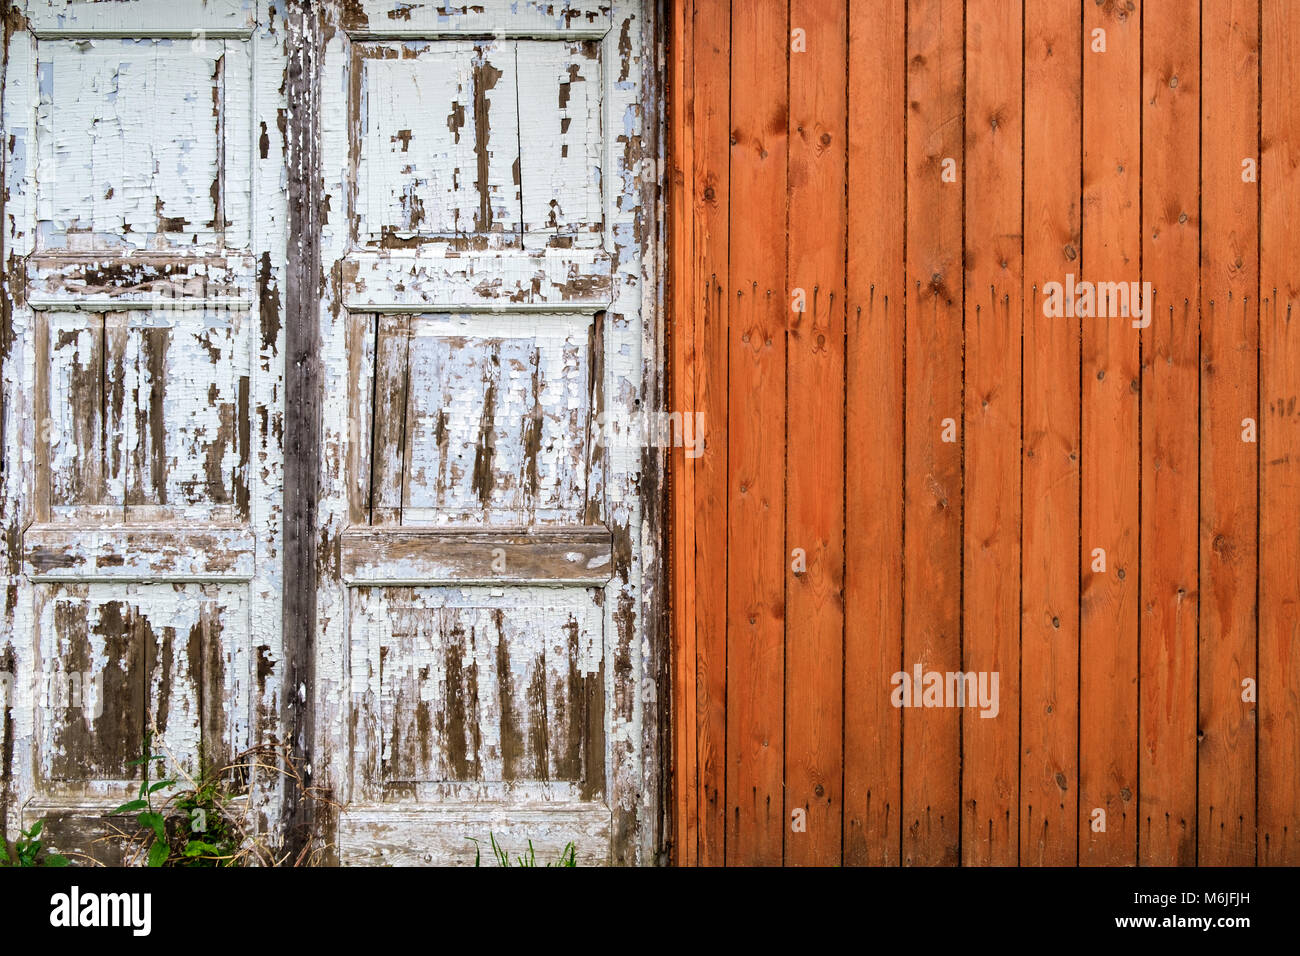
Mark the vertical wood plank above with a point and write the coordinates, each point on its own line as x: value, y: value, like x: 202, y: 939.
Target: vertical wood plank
x: 1279, y: 508
x: 757, y: 323
x: 1170, y: 443
x: 303, y: 416
x: 1129, y: 684
x: 933, y: 516
x: 1229, y: 469
x: 873, y: 543
x: 682, y: 284
x: 1049, y: 708
x: 712, y: 198
x: 991, y: 429
x: 1108, y: 612
x: 814, y: 566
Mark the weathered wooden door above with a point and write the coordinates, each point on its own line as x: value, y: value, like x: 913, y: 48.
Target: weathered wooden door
x: 453, y: 470
x: 482, y: 640
x: 143, y: 248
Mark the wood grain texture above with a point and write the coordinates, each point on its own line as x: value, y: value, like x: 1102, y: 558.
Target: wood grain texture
x: 304, y: 387
x: 1049, y: 628
x: 194, y: 553
x: 1110, y: 396
x: 873, y: 541
x: 306, y: 327
x: 567, y: 556
x: 757, y: 322
x: 1279, y: 452
x: 814, y: 581
x: 373, y: 836
x: 1170, y: 533
x: 1106, y: 531
x: 932, y: 545
x: 685, y: 816
x: 1229, y: 486
x: 711, y: 293
x: 992, y: 428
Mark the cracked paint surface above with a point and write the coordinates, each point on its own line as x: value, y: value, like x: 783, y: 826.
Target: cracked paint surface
x: 485, y: 237
x: 488, y: 291
x: 144, y: 247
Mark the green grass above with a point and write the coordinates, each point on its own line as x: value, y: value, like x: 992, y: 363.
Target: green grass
x: 568, y: 856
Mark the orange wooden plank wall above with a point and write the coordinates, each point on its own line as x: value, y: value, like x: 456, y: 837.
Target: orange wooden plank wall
x: 912, y: 461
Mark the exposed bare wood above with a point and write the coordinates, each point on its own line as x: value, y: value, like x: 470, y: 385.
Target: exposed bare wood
x: 69, y: 552
x: 304, y: 381
x: 561, y: 556
x: 382, y: 836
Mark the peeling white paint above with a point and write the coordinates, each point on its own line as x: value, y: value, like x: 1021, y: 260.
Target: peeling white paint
x: 144, y: 242
x: 463, y: 316
x: 509, y: 255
